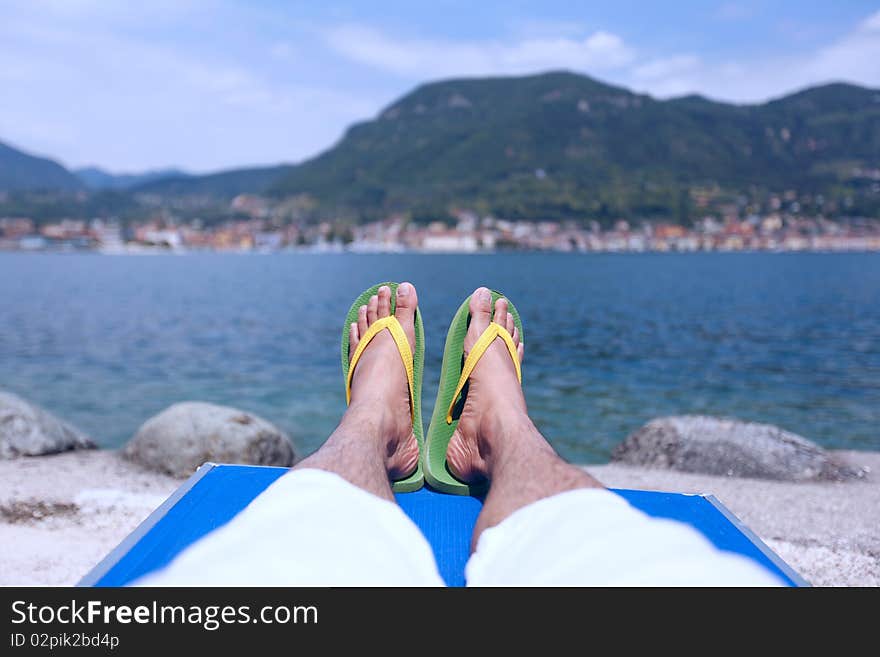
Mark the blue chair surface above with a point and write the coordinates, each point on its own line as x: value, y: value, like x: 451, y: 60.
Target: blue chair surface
x: 216, y: 493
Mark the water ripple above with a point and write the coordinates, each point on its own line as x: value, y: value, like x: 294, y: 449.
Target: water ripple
x: 612, y: 340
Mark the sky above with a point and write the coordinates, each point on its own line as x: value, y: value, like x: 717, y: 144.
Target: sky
x: 207, y: 85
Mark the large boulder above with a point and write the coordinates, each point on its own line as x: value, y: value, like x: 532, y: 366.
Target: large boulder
x: 721, y: 446
x: 28, y: 430
x: 183, y: 436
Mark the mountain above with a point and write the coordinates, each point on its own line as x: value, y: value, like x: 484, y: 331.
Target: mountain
x: 550, y: 146
x: 96, y: 178
x: 561, y: 144
x: 20, y: 171
x: 222, y: 184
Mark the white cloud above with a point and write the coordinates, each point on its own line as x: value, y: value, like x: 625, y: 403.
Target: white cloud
x: 531, y: 28
x: 871, y: 23
x: 282, y: 51
x: 425, y: 59
x: 733, y: 11
x: 664, y: 67
x: 852, y: 58
x: 668, y: 76
x: 86, y: 89
x: 856, y: 57
x: 134, y: 86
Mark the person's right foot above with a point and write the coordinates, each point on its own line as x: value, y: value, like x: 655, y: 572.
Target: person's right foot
x: 379, y: 381
x: 494, y: 397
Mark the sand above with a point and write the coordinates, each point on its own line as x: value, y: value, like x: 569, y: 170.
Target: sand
x: 60, y: 515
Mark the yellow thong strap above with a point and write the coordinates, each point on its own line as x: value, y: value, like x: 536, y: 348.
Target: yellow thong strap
x: 403, y: 347
x: 483, y: 342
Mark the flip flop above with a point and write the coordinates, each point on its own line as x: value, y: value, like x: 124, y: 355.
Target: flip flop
x: 413, y: 361
x: 452, y: 394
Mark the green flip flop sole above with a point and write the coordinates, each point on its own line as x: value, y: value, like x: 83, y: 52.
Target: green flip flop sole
x: 416, y: 480
x: 437, y: 473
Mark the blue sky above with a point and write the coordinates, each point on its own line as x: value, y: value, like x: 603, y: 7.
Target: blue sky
x: 212, y: 84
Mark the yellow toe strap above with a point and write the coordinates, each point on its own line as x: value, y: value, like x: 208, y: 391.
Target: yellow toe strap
x: 403, y: 347
x: 483, y: 342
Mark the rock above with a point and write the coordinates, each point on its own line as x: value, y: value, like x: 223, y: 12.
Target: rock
x: 720, y: 446
x: 28, y: 430
x: 183, y: 436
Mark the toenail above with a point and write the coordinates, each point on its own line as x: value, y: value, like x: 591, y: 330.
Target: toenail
x: 485, y: 295
x: 403, y: 289
x: 384, y: 288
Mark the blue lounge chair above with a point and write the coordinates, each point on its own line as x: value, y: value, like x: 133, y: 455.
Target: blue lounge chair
x: 216, y: 493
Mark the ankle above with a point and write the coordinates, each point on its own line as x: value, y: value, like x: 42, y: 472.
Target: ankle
x: 363, y: 422
x: 513, y: 438
x: 507, y: 424
x: 371, y: 421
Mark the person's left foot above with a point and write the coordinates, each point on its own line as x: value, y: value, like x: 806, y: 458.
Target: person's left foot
x: 379, y: 384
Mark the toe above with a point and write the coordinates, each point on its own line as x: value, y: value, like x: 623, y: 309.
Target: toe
x: 362, y: 321
x: 521, y: 351
x: 500, y: 316
x: 384, y: 302
x: 353, y: 338
x: 407, y: 301
x: 509, y: 324
x: 372, y: 309
x: 480, y: 307
x: 515, y: 335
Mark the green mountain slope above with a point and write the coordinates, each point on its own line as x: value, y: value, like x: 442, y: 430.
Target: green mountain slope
x: 97, y: 178
x: 20, y: 171
x: 561, y: 144
x: 222, y: 184
x: 555, y: 145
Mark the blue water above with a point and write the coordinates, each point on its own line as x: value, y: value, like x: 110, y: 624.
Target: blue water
x: 611, y: 340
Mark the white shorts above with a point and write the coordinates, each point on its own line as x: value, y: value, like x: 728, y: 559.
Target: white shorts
x: 314, y: 528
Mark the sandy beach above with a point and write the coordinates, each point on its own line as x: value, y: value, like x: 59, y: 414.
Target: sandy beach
x: 61, y: 514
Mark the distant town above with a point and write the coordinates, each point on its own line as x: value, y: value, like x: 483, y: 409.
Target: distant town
x: 257, y: 228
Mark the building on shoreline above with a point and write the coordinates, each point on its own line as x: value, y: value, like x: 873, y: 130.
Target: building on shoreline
x: 775, y: 231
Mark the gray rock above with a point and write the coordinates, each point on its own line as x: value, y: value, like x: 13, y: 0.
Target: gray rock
x: 721, y: 446
x: 28, y: 430
x: 183, y: 436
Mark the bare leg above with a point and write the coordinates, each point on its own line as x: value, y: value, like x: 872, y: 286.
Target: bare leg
x: 374, y: 442
x: 495, y: 438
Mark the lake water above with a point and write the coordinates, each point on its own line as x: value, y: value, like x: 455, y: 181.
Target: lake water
x: 611, y: 340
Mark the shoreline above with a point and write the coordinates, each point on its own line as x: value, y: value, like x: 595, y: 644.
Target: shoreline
x: 61, y: 514
x: 435, y: 252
